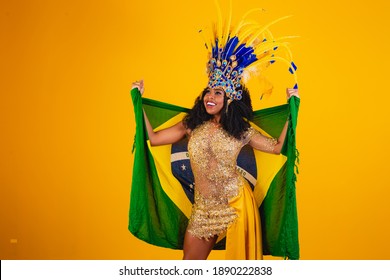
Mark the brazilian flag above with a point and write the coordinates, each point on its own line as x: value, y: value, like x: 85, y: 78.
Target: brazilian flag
x: 162, y: 190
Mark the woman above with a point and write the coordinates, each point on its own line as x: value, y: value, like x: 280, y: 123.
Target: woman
x: 218, y: 127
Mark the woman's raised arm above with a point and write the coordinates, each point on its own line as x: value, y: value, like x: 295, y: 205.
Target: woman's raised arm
x: 165, y: 136
x: 271, y: 145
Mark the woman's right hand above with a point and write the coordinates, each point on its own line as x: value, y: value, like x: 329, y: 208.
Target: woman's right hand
x: 292, y: 92
x: 139, y: 85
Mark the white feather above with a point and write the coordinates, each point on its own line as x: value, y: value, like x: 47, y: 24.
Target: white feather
x: 249, y: 73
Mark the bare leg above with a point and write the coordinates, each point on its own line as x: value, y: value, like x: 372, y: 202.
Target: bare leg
x: 197, y: 249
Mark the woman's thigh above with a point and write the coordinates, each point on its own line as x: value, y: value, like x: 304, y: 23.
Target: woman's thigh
x: 197, y: 249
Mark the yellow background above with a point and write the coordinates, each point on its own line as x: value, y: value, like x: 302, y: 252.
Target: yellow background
x: 67, y: 124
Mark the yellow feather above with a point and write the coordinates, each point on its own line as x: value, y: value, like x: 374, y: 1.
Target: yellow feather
x: 269, y: 35
x: 267, y: 60
x: 261, y: 56
x: 249, y: 12
x: 244, y: 22
x: 219, y: 22
x: 284, y: 45
x: 238, y: 27
x: 244, y: 26
x: 245, y: 33
x: 266, y: 46
x: 258, y: 33
x: 287, y: 49
x: 225, y: 38
x: 282, y: 59
x: 259, y: 63
x: 266, y: 87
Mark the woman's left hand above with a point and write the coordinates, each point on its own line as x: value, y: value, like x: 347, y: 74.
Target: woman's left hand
x: 292, y: 92
x: 139, y: 85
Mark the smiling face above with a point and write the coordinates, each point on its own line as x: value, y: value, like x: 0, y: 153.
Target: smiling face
x: 213, y: 101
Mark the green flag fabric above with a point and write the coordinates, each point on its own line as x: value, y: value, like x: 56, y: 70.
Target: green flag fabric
x: 162, y: 188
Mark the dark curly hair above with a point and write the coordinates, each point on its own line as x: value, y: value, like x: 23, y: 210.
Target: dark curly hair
x: 235, y: 120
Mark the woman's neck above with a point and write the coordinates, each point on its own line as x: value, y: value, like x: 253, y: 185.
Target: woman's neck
x: 216, y: 119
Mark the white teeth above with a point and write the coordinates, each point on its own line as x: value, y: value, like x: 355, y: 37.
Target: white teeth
x: 211, y: 103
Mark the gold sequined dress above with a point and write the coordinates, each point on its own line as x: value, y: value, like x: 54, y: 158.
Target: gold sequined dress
x: 224, y: 202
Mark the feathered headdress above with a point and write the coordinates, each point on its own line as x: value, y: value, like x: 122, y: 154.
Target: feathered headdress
x: 238, y: 53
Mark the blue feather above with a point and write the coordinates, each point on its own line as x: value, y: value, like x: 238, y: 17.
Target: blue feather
x: 215, y: 49
x: 293, y: 67
x: 248, y: 60
x: 239, y: 50
x: 242, y: 51
x: 230, y: 46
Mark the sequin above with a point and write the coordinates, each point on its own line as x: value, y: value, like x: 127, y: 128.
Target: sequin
x: 262, y: 143
x: 213, y: 153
